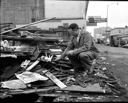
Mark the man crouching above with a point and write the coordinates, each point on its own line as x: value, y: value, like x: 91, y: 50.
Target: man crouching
x: 81, y: 49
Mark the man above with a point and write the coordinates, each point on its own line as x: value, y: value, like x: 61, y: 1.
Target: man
x: 81, y: 49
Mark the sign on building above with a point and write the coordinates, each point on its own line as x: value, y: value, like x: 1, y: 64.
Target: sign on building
x: 96, y: 19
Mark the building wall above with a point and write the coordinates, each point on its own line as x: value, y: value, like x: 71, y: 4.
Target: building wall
x: 100, y: 33
x: 126, y: 31
x: 21, y: 11
x: 119, y: 31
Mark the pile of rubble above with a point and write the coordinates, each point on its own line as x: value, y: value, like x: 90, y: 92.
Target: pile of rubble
x: 37, y: 74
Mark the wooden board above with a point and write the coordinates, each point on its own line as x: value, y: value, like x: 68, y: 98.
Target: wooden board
x: 90, y: 88
x: 55, y: 80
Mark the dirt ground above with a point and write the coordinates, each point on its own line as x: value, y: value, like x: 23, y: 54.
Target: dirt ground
x: 117, y: 57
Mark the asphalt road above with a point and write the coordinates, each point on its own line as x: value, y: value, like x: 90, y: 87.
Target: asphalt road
x: 118, y: 58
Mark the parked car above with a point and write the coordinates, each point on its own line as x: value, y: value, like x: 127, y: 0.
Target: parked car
x: 125, y: 46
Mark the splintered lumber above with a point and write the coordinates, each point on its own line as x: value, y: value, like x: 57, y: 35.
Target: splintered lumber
x: 37, y: 39
x: 27, y: 25
x: 54, y: 79
x: 8, y: 55
x: 28, y: 91
x: 37, y: 61
x: 95, y: 88
x: 33, y: 65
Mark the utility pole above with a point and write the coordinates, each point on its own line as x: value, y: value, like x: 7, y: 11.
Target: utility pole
x: 107, y: 31
x: 107, y: 17
x: 108, y: 14
x: 85, y: 14
x: 43, y: 7
x: 37, y: 9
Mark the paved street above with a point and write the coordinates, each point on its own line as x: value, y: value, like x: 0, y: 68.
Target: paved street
x: 118, y: 58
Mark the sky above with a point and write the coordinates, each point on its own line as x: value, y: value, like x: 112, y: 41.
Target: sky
x: 117, y: 12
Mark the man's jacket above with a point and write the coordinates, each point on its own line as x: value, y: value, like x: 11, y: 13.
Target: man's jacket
x: 85, y: 43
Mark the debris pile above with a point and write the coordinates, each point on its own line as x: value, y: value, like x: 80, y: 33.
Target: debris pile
x: 36, y: 72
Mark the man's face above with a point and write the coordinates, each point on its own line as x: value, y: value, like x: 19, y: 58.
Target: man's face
x: 74, y: 32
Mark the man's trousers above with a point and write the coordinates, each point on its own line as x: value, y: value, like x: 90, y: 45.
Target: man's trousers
x: 83, y: 61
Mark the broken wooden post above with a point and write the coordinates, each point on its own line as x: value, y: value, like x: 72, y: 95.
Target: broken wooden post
x: 54, y: 79
x: 33, y: 65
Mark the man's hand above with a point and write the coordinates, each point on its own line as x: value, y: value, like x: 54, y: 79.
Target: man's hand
x: 70, y: 52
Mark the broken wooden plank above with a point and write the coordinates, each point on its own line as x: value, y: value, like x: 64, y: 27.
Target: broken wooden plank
x: 8, y: 55
x: 25, y: 64
x: 28, y: 91
x: 42, y: 58
x: 54, y: 79
x: 90, y: 88
x: 33, y: 65
x: 27, y: 25
x: 34, y: 39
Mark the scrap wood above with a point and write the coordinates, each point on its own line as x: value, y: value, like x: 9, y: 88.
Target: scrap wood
x: 49, y: 94
x: 17, y: 53
x: 112, y: 82
x: 61, y: 70
x: 3, y: 55
x: 42, y: 58
x: 11, y: 92
x: 55, y: 68
x: 26, y: 25
x: 33, y: 65
x: 61, y: 75
x: 25, y: 64
x: 101, y: 75
x: 64, y: 65
x: 90, y: 88
x: 54, y: 79
x: 27, y: 91
x: 36, y: 39
x: 60, y: 94
x: 64, y: 62
x: 42, y: 92
x: 75, y: 97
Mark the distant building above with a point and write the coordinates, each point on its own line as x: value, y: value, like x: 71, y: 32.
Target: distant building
x: 101, y: 33
x: 119, y: 31
x: 21, y: 11
x: 118, y: 36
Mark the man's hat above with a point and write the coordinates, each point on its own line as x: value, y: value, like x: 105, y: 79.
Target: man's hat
x: 73, y: 26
